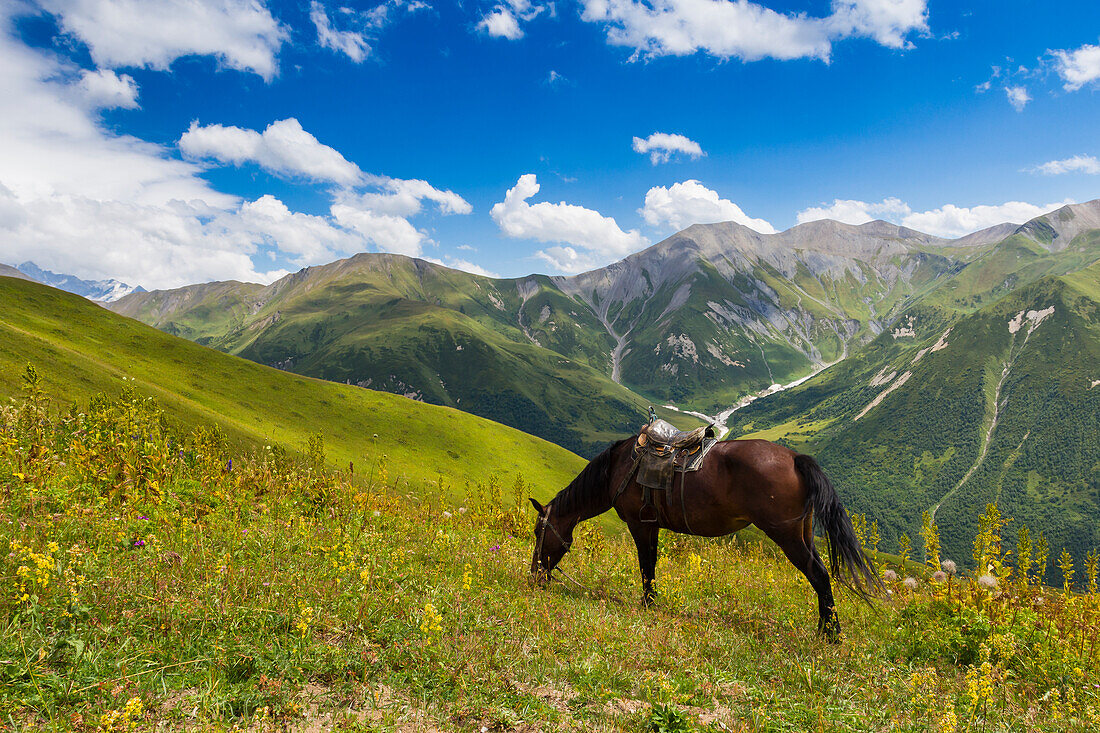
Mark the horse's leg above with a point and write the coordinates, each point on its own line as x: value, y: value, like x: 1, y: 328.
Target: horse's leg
x: 645, y: 537
x: 797, y: 544
x: 828, y: 624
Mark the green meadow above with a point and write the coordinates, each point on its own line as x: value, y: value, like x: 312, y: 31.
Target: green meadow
x: 163, y: 580
x: 81, y: 349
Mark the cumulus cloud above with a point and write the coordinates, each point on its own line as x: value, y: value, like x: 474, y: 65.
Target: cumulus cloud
x: 350, y: 43
x: 78, y: 198
x: 661, y: 146
x: 403, y: 198
x: 51, y: 141
x: 500, y: 23
x: 856, y: 212
x: 456, y: 263
x: 958, y: 221
x: 387, y: 232
x: 165, y: 245
x: 503, y: 21
x: 948, y: 221
x: 1076, y: 164
x: 690, y: 202
x: 240, y: 34
x: 749, y: 30
x: 104, y: 89
x: 283, y: 148
x: 1077, y: 67
x: 1017, y: 97
x: 587, y: 238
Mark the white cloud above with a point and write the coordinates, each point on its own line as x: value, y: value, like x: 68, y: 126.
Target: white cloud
x: 949, y: 221
x: 856, y: 212
x: 957, y: 221
x: 353, y: 45
x: 388, y: 233
x: 284, y: 148
x: 104, y: 89
x: 165, y: 245
x: 78, y: 198
x: 690, y: 202
x: 594, y: 238
x: 241, y: 34
x: 887, y: 22
x: 503, y: 20
x: 1076, y: 164
x: 404, y: 197
x: 1017, y: 97
x: 51, y: 142
x: 751, y: 31
x: 459, y: 264
x: 1078, y: 67
x: 500, y: 23
x: 662, y: 145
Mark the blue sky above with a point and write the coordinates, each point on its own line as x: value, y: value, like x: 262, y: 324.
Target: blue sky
x: 165, y: 142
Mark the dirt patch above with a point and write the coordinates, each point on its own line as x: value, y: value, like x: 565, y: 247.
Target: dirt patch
x: 556, y: 698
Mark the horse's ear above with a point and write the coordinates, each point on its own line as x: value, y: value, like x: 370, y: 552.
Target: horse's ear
x: 538, y: 507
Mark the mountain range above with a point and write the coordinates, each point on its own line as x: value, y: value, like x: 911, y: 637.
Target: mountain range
x: 927, y: 404
x: 103, y: 291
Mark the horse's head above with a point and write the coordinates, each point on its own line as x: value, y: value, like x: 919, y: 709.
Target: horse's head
x: 553, y: 536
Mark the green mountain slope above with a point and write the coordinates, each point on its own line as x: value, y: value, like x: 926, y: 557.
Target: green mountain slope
x: 417, y: 329
x: 81, y: 349
x: 964, y: 404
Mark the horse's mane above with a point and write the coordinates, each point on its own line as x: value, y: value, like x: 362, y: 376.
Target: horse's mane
x: 590, y: 484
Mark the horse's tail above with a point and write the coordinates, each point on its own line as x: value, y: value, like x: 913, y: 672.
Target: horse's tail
x: 848, y: 563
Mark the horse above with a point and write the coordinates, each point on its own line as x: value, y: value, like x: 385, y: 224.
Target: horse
x: 741, y: 482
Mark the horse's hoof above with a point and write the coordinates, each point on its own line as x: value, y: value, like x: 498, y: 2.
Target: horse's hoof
x: 830, y: 630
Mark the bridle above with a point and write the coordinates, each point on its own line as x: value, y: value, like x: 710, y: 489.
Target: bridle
x: 544, y: 523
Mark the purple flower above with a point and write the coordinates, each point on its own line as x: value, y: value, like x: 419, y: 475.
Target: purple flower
x: 229, y: 466
x: 145, y: 518
x: 494, y: 548
x: 139, y: 543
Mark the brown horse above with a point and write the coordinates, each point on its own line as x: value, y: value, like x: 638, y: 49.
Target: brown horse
x: 741, y: 482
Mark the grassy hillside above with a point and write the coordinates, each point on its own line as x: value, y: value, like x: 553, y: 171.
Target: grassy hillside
x: 984, y: 403
x: 413, y: 328
x: 81, y: 349
x: 221, y: 592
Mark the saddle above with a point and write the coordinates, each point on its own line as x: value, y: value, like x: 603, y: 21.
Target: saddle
x: 661, y: 452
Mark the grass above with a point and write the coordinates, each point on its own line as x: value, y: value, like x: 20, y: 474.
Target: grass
x: 406, y: 326
x: 793, y: 432
x: 82, y: 349
x: 155, y: 580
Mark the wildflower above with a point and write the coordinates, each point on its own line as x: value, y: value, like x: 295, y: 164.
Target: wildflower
x: 431, y: 621
x: 910, y: 583
x: 305, y: 618
x: 467, y: 577
x: 939, y: 576
x: 124, y: 719
x: 949, y: 567
x: 139, y: 543
x: 495, y: 548
x: 890, y: 576
x: 987, y: 581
